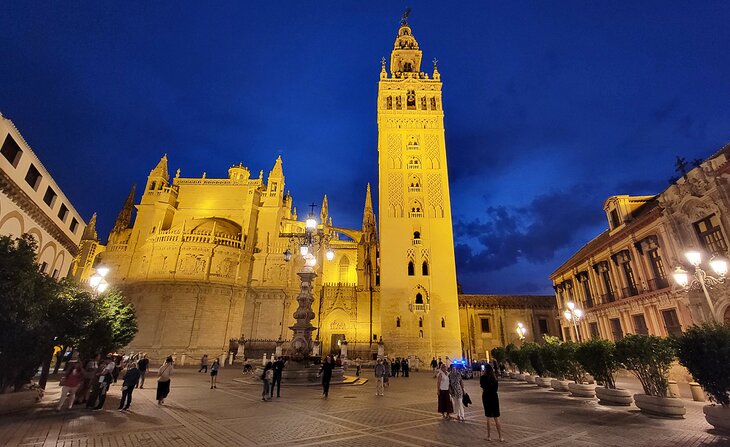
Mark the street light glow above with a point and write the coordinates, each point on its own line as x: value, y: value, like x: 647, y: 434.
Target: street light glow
x: 719, y: 265
x: 694, y: 257
x: 95, y: 280
x: 330, y: 254
x: 304, y: 250
x: 681, y: 277
x: 103, y: 285
x: 311, y: 223
x: 102, y: 270
x: 571, y: 305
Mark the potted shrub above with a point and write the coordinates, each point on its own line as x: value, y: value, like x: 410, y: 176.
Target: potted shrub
x: 521, y: 361
x: 554, y: 364
x: 509, y: 358
x: 598, y: 358
x: 705, y: 352
x: 529, y: 349
x: 649, y: 358
x: 575, y: 372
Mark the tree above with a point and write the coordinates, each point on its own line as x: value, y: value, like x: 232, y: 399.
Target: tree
x: 112, y: 326
x: 26, y: 301
x: 598, y: 358
x: 649, y: 357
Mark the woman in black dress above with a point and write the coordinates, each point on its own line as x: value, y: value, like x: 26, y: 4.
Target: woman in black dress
x: 490, y: 399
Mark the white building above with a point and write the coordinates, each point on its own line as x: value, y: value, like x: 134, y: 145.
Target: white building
x: 31, y: 202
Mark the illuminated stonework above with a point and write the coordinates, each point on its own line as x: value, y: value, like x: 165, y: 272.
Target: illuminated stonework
x: 419, y: 307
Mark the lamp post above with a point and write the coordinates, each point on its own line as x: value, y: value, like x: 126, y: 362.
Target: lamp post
x: 521, y: 331
x: 309, y: 243
x: 572, y: 313
x: 97, y: 282
x: 701, y: 279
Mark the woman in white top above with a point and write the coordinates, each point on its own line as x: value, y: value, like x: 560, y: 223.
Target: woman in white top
x: 163, y: 380
x: 442, y: 391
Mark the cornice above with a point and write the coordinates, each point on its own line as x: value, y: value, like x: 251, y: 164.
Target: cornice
x: 30, y: 207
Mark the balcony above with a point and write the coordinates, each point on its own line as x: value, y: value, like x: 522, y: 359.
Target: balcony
x: 608, y: 297
x: 415, y: 214
x: 414, y: 189
x: 419, y: 307
x: 658, y: 284
x: 627, y: 292
x: 416, y: 241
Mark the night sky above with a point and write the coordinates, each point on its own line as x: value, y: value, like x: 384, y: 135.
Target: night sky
x: 550, y: 107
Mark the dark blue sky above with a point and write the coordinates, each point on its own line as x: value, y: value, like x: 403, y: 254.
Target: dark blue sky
x: 550, y: 106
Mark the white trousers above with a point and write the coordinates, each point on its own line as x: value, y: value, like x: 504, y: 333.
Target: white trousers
x: 64, y: 391
x: 458, y: 406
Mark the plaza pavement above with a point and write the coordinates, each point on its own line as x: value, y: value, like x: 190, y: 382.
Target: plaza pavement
x: 234, y: 415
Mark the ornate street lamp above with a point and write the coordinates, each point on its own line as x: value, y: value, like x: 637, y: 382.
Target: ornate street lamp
x: 572, y: 313
x: 310, y: 242
x: 521, y: 331
x: 701, y: 280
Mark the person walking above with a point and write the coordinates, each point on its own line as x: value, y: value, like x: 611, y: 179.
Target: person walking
x: 456, y: 391
x: 105, y: 381
x: 490, y: 399
x: 326, y: 372
x: 266, y: 377
x: 442, y: 391
x: 406, y: 368
x: 278, y: 367
x: 142, y: 366
x: 214, y: 374
x: 204, y: 363
x: 131, y: 379
x: 380, y: 373
x: 358, y: 365
x: 434, y: 366
x: 163, y: 380
x: 69, y: 385
x: 387, y: 366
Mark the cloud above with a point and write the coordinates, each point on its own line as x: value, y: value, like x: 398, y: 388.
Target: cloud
x: 506, y: 235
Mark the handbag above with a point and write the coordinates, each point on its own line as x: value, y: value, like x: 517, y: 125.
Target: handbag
x: 466, y: 400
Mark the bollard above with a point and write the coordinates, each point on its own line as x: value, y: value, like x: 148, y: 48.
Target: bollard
x: 182, y: 359
x: 230, y: 358
x: 673, y: 389
x: 698, y: 395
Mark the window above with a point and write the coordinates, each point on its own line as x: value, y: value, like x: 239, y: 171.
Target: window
x: 593, y: 328
x: 43, y: 267
x: 63, y: 213
x: 609, y: 287
x: 344, y: 270
x: 616, y: 330
x: 543, y: 326
x: 33, y: 177
x: 640, y: 324
x: 55, y: 274
x: 671, y: 322
x: 420, y: 333
x: 11, y: 151
x: 411, y: 269
x: 411, y: 99
x: 587, y: 293
x: 424, y: 268
x: 566, y: 334
x: 615, y: 222
x: 414, y: 163
x: 389, y: 102
x: 397, y: 322
x: 657, y: 267
x: 630, y: 280
x: 375, y: 337
x: 416, y: 235
x: 433, y: 103
x: 420, y: 322
x: 443, y: 322
x: 152, y: 186
x: 419, y: 298
x: 485, y: 325
x: 74, y: 225
x: 710, y: 235
x: 49, y: 197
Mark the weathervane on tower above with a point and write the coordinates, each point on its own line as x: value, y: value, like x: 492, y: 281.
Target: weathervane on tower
x: 404, y: 18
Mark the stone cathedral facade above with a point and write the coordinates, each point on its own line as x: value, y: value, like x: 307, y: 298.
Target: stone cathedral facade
x: 203, y: 258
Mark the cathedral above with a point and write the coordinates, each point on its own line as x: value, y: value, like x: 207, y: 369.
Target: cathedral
x: 207, y: 261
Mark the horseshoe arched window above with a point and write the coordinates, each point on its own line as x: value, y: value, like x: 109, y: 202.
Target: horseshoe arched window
x: 411, y: 269
x: 419, y: 298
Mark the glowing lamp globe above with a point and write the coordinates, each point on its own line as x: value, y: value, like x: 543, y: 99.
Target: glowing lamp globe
x: 681, y: 277
x: 304, y: 250
x: 311, y: 261
x: 95, y: 280
x: 330, y: 254
x: 311, y: 223
x: 694, y: 257
x: 719, y: 265
x: 103, y: 285
x: 102, y: 270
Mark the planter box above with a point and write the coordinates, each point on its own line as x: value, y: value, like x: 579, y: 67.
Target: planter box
x: 512, y: 375
x: 608, y: 396
x: 529, y: 378
x: 20, y: 400
x: 519, y: 376
x: 718, y: 416
x: 544, y: 382
x: 560, y: 385
x: 660, y: 406
x: 582, y: 389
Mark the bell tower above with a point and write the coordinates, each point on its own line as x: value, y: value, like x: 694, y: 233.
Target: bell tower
x: 419, y: 303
